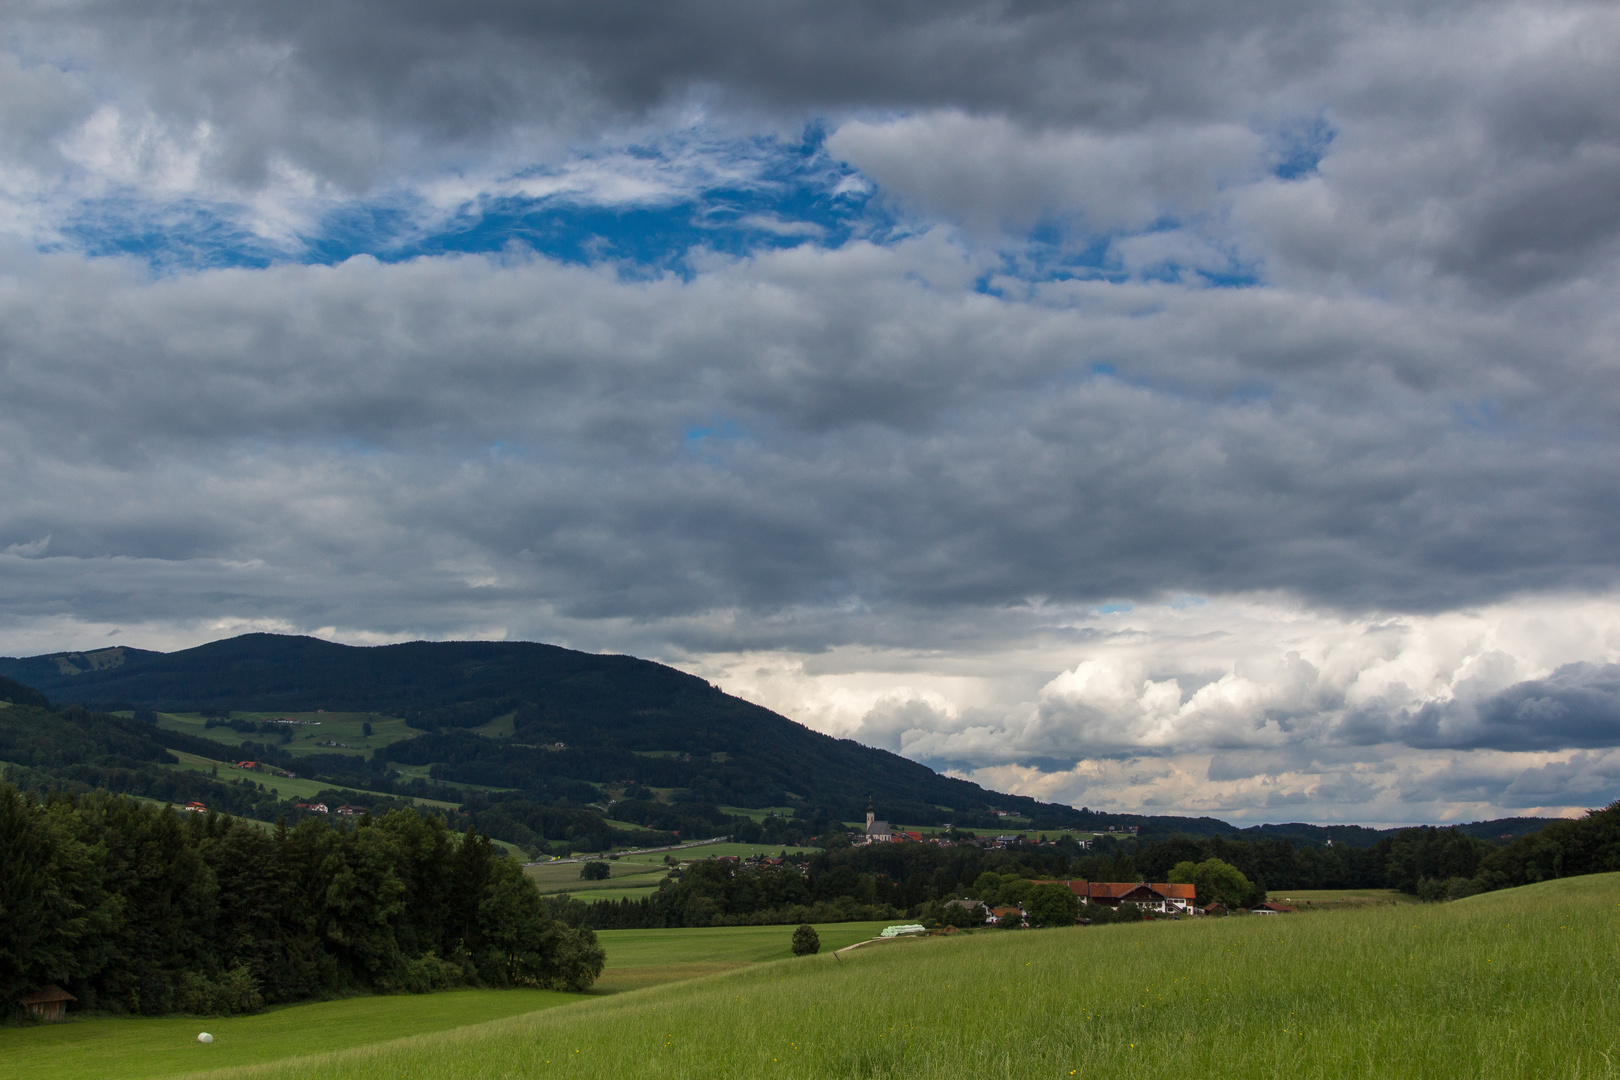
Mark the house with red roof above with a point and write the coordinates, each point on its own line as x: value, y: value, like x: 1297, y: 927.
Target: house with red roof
x: 1163, y: 897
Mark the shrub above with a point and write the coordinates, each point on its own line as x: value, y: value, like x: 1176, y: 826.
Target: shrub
x: 237, y: 991
x: 596, y: 870
x: 806, y: 942
x: 1051, y: 905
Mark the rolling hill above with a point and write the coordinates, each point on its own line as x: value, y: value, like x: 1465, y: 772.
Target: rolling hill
x: 574, y: 716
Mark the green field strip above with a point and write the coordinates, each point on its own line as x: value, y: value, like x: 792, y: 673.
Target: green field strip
x: 758, y: 813
x: 296, y: 788
x: 137, y: 1048
x: 591, y: 896
x: 499, y: 728
x: 722, y: 944
x: 564, y: 877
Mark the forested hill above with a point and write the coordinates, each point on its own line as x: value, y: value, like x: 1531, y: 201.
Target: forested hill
x: 617, y: 719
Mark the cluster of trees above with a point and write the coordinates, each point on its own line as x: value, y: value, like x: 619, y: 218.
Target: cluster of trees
x: 140, y: 909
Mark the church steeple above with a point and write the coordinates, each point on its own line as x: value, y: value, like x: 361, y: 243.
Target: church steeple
x: 870, y: 816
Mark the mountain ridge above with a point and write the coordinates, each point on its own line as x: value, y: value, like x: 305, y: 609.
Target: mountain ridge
x: 608, y: 711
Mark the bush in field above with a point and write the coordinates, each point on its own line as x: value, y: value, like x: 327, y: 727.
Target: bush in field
x: 1051, y: 905
x: 595, y: 871
x: 1217, y: 882
x: 963, y: 918
x: 806, y: 942
x: 1102, y: 914
x: 236, y: 991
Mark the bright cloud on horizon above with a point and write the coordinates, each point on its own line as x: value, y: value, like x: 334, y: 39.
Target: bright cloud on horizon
x: 1205, y: 414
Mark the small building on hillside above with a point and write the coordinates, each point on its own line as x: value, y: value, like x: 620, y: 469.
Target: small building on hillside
x: 195, y: 808
x: 351, y: 811
x: 48, y: 1004
x: 313, y: 807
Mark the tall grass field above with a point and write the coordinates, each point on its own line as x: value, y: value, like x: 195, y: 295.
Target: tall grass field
x: 1522, y: 983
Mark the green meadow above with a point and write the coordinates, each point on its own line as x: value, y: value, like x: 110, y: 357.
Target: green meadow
x: 1521, y: 983
x: 346, y: 728
x: 103, y: 1048
x: 634, y: 876
x: 1336, y: 899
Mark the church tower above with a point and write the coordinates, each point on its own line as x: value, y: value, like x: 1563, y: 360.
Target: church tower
x: 870, y: 816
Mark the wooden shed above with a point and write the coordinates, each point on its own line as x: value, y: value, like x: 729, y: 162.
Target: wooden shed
x: 47, y: 1004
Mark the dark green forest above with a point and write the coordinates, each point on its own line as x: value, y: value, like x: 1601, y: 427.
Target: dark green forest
x: 140, y: 909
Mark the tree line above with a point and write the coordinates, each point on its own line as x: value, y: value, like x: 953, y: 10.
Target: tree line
x: 136, y: 908
x: 880, y: 881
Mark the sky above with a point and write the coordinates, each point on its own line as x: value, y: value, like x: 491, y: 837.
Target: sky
x: 1151, y: 406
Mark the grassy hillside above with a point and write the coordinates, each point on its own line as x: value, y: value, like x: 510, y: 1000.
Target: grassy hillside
x: 1522, y: 983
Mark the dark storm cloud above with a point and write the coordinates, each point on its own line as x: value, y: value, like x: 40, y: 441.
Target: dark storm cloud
x: 1577, y: 706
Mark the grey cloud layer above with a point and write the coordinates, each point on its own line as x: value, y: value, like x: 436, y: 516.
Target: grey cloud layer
x: 797, y: 429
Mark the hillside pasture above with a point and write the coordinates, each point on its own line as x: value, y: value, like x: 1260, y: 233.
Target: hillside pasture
x: 347, y: 728
x: 564, y: 877
x: 1521, y: 983
x: 591, y: 896
x: 728, y: 849
x: 1338, y: 899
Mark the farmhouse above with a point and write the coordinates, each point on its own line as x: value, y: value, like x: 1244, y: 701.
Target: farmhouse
x: 351, y: 811
x: 195, y: 808
x: 47, y: 1004
x: 1161, y: 896
x: 997, y: 914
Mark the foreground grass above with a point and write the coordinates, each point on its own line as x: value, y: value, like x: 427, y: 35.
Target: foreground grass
x: 133, y: 1048
x: 1515, y: 984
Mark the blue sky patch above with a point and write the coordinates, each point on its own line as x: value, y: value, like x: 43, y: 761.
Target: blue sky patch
x: 1298, y: 150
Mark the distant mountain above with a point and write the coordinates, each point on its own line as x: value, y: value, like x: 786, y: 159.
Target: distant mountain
x: 618, y: 719
x: 605, y: 720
